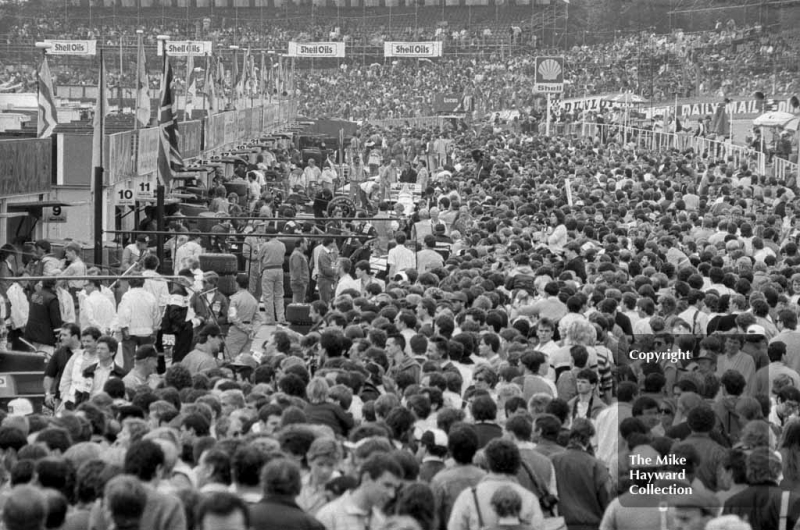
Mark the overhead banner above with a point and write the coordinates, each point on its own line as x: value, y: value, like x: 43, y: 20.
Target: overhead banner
x: 72, y: 47
x: 687, y: 108
x: 184, y: 48
x: 412, y: 49
x: 316, y: 49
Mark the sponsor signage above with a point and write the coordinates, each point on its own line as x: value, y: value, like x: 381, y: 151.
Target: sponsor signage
x: 412, y: 49
x: 72, y: 47
x: 185, y: 48
x: 316, y: 49
x: 549, y: 75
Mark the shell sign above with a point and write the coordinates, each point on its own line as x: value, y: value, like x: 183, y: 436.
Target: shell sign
x: 549, y: 75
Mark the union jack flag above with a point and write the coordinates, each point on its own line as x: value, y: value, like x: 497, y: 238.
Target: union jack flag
x: 47, y: 104
x: 169, y: 157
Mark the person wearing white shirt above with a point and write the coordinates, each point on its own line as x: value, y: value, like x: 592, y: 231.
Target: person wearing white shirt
x: 312, y: 173
x: 72, y: 378
x: 96, y: 309
x: 346, y: 282
x: 138, y: 319
x: 155, y: 286
x: 190, y: 249
x: 400, y: 257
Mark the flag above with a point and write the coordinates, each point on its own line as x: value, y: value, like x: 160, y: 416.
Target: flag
x: 142, y: 89
x: 47, y: 103
x: 191, y: 87
x: 222, y: 102
x: 720, y: 122
x: 234, y: 81
x: 261, y: 74
x: 208, y: 86
x: 100, y: 113
x: 169, y: 158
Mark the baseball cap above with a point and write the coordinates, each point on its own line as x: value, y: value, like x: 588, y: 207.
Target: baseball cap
x: 211, y: 276
x: 755, y: 329
x: 146, y: 351
x: 20, y: 407
x: 434, y: 437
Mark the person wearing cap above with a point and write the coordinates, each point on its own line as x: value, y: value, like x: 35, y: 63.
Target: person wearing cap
x: 145, y: 366
x: 271, y: 255
x: 324, y: 457
x: 243, y: 316
x: 44, y: 316
x: 44, y: 263
x: 139, y: 318
x: 431, y: 454
x: 204, y: 356
x: 134, y: 253
x: 210, y: 305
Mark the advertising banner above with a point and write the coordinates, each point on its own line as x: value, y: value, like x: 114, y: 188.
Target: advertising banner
x: 452, y: 103
x: 412, y: 49
x: 316, y: 49
x: 72, y: 47
x: 25, y: 166
x: 184, y: 48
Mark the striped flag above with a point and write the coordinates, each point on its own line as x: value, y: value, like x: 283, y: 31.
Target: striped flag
x: 142, y: 89
x: 100, y: 113
x: 47, y: 103
x: 169, y: 158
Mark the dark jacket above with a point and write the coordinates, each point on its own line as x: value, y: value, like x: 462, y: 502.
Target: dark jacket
x: 44, y: 316
x: 278, y: 511
x: 584, y: 488
x: 760, y: 505
x: 330, y: 414
x: 88, y: 373
x: 487, y: 431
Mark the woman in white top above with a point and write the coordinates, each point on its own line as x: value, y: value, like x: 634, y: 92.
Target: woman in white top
x: 558, y: 237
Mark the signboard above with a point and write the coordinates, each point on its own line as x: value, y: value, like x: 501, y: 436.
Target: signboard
x: 56, y: 214
x: 549, y: 75
x: 184, y: 48
x: 72, y: 47
x: 452, y: 103
x: 412, y: 49
x: 316, y: 49
x: 124, y: 197
x: 145, y: 191
x: 25, y: 166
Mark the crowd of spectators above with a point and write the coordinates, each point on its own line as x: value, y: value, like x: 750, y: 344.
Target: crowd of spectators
x: 727, y: 61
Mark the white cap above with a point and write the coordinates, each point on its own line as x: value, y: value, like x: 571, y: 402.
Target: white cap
x: 20, y: 407
x: 755, y: 329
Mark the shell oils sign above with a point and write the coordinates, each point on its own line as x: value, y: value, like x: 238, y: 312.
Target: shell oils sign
x: 549, y: 75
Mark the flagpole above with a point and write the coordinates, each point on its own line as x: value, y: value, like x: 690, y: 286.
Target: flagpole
x: 138, y: 83
x: 98, y: 171
x: 205, y: 83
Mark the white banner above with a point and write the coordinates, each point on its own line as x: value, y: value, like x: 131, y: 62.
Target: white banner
x: 412, y: 49
x: 316, y: 49
x: 72, y: 47
x: 184, y: 48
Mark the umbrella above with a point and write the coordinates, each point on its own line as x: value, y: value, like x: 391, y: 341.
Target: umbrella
x: 773, y: 119
x: 626, y: 97
x: 793, y: 124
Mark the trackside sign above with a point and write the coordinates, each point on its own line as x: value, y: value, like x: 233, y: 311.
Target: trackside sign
x: 72, y: 47
x: 316, y: 49
x: 412, y: 49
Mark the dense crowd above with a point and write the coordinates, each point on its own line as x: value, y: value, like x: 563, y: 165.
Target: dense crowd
x: 565, y: 332
x: 727, y: 61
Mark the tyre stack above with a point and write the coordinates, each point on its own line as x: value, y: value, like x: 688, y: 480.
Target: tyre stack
x: 226, y: 266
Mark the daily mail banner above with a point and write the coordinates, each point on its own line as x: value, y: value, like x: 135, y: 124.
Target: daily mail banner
x: 687, y: 108
x: 72, y: 47
x: 316, y: 49
x: 184, y: 48
x: 412, y: 49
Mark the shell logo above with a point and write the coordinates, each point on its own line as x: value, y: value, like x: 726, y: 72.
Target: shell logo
x: 549, y: 69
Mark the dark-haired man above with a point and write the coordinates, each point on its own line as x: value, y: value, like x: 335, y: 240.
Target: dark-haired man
x: 204, y: 355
